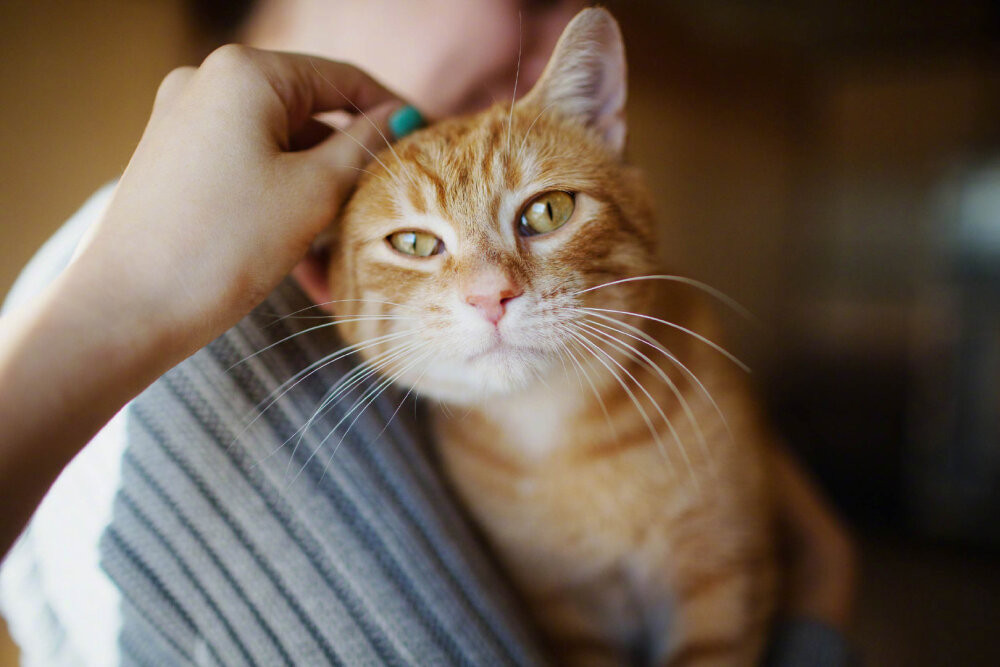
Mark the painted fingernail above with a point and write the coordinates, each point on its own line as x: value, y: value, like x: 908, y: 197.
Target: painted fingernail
x: 405, y: 120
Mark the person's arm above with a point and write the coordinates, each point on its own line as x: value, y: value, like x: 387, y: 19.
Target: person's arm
x: 213, y: 210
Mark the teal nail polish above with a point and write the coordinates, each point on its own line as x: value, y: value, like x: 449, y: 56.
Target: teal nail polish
x: 405, y: 120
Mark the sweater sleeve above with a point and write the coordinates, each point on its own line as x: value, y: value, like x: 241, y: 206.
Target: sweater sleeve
x: 808, y: 642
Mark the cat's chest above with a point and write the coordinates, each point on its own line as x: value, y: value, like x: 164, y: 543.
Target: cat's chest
x: 559, y: 516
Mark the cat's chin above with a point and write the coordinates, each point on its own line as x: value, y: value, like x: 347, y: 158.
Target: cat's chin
x: 482, y: 377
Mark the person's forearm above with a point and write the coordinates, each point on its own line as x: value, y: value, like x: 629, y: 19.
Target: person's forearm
x: 68, y: 362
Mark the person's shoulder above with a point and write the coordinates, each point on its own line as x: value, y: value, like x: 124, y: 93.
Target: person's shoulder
x: 56, y: 253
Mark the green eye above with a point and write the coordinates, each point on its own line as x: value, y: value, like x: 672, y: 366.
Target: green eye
x: 418, y: 244
x: 547, y: 212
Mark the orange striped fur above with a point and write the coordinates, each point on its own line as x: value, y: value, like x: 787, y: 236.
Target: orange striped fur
x: 634, y: 520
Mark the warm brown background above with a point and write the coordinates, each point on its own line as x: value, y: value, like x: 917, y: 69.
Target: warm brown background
x: 798, y: 152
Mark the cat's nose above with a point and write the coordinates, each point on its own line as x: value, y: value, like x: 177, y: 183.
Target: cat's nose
x: 491, y: 294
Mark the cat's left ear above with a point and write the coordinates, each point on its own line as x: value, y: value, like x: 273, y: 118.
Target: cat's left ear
x: 585, y: 77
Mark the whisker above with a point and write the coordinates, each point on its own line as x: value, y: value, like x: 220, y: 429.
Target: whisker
x: 372, y: 123
x: 363, y: 403
x: 715, y: 346
x: 656, y: 345
x: 594, y: 349
x: 600, y: 401
x: 708, y: 289
x: 666, y: 420
x: 360, y: 369
x: 398, y: 407
x: 365, y: 318
x: 636, y: 356
x: 520, y: 150
x: 517, y: 73
x: 336, y: 393
x: 351, y: 166
x: 314, y: 367
x: 328, y: 303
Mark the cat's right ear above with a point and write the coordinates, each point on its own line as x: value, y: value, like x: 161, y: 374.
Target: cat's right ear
x: 311, y: 273
x: 585, y: 77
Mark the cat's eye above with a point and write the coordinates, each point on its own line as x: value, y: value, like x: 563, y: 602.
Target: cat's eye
x: 546, y: 212
x: 418, y: 244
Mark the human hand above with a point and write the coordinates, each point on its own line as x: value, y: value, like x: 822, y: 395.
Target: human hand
x: 215, y: 206
x: 231, y: 181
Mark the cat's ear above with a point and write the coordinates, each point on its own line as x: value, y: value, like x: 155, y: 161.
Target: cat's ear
x: 585, y: 77
x: 311, y: 273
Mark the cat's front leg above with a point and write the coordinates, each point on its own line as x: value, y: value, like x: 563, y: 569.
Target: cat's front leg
x: 721, y: 617
x: 588, y: 623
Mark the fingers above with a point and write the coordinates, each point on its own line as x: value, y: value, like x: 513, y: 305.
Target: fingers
x: 305, y: 85
x: 312, y: 132
x: 349, y: 150
x: 171, y: 87
x: 336, y: 85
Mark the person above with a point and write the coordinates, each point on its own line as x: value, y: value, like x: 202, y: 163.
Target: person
x: 205, y: 551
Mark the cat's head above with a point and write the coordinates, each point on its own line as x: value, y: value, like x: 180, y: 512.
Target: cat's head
x: 464, y: 254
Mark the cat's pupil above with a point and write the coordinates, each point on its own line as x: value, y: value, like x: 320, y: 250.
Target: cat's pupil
x: 547, y: 212
x: 418, y: 244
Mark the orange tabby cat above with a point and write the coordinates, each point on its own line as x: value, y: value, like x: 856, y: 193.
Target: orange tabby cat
x: 483, y: 261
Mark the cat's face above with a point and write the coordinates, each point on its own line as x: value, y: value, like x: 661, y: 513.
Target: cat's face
x: 464, y: 255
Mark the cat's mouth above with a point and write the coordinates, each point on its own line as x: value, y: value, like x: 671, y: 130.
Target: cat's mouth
x: 501, y: 350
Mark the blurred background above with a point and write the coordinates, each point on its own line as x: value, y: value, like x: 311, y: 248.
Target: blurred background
x: 835, y: 166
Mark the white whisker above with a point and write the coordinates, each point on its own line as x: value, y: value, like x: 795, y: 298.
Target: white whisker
x: 363, y: 403
x: 520, y: 150
x: 708, y: 289
x: 364, y: 318
x: 600, y: 401
x: 314, y: 367
x: 638, y: 357
x: 372, y: 123
x: 715, y: 346
x: 328, y: 303
x: 595, y: 349
x: 336, y: 393
x: 656, y: 345
x: 517, y: 73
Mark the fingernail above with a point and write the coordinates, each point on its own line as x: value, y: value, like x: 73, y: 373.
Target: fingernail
x: 405, y: 120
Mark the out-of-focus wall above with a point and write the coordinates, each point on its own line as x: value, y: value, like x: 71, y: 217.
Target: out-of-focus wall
x: 889, y: 133
x: 76, y: 86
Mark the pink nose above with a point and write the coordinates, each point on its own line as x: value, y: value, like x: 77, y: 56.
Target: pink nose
x: 489, y: 293
x: 491, y: 306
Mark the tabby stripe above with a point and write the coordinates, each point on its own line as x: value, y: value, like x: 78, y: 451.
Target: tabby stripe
x: 489, y: 456
x: 636, y: 437
x: 436, y: 181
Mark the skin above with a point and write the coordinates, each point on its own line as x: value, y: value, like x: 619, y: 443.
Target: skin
x: 175, y: 261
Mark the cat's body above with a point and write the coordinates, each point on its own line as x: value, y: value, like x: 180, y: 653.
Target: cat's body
x: 480, y: 263
x: 619, y: 548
